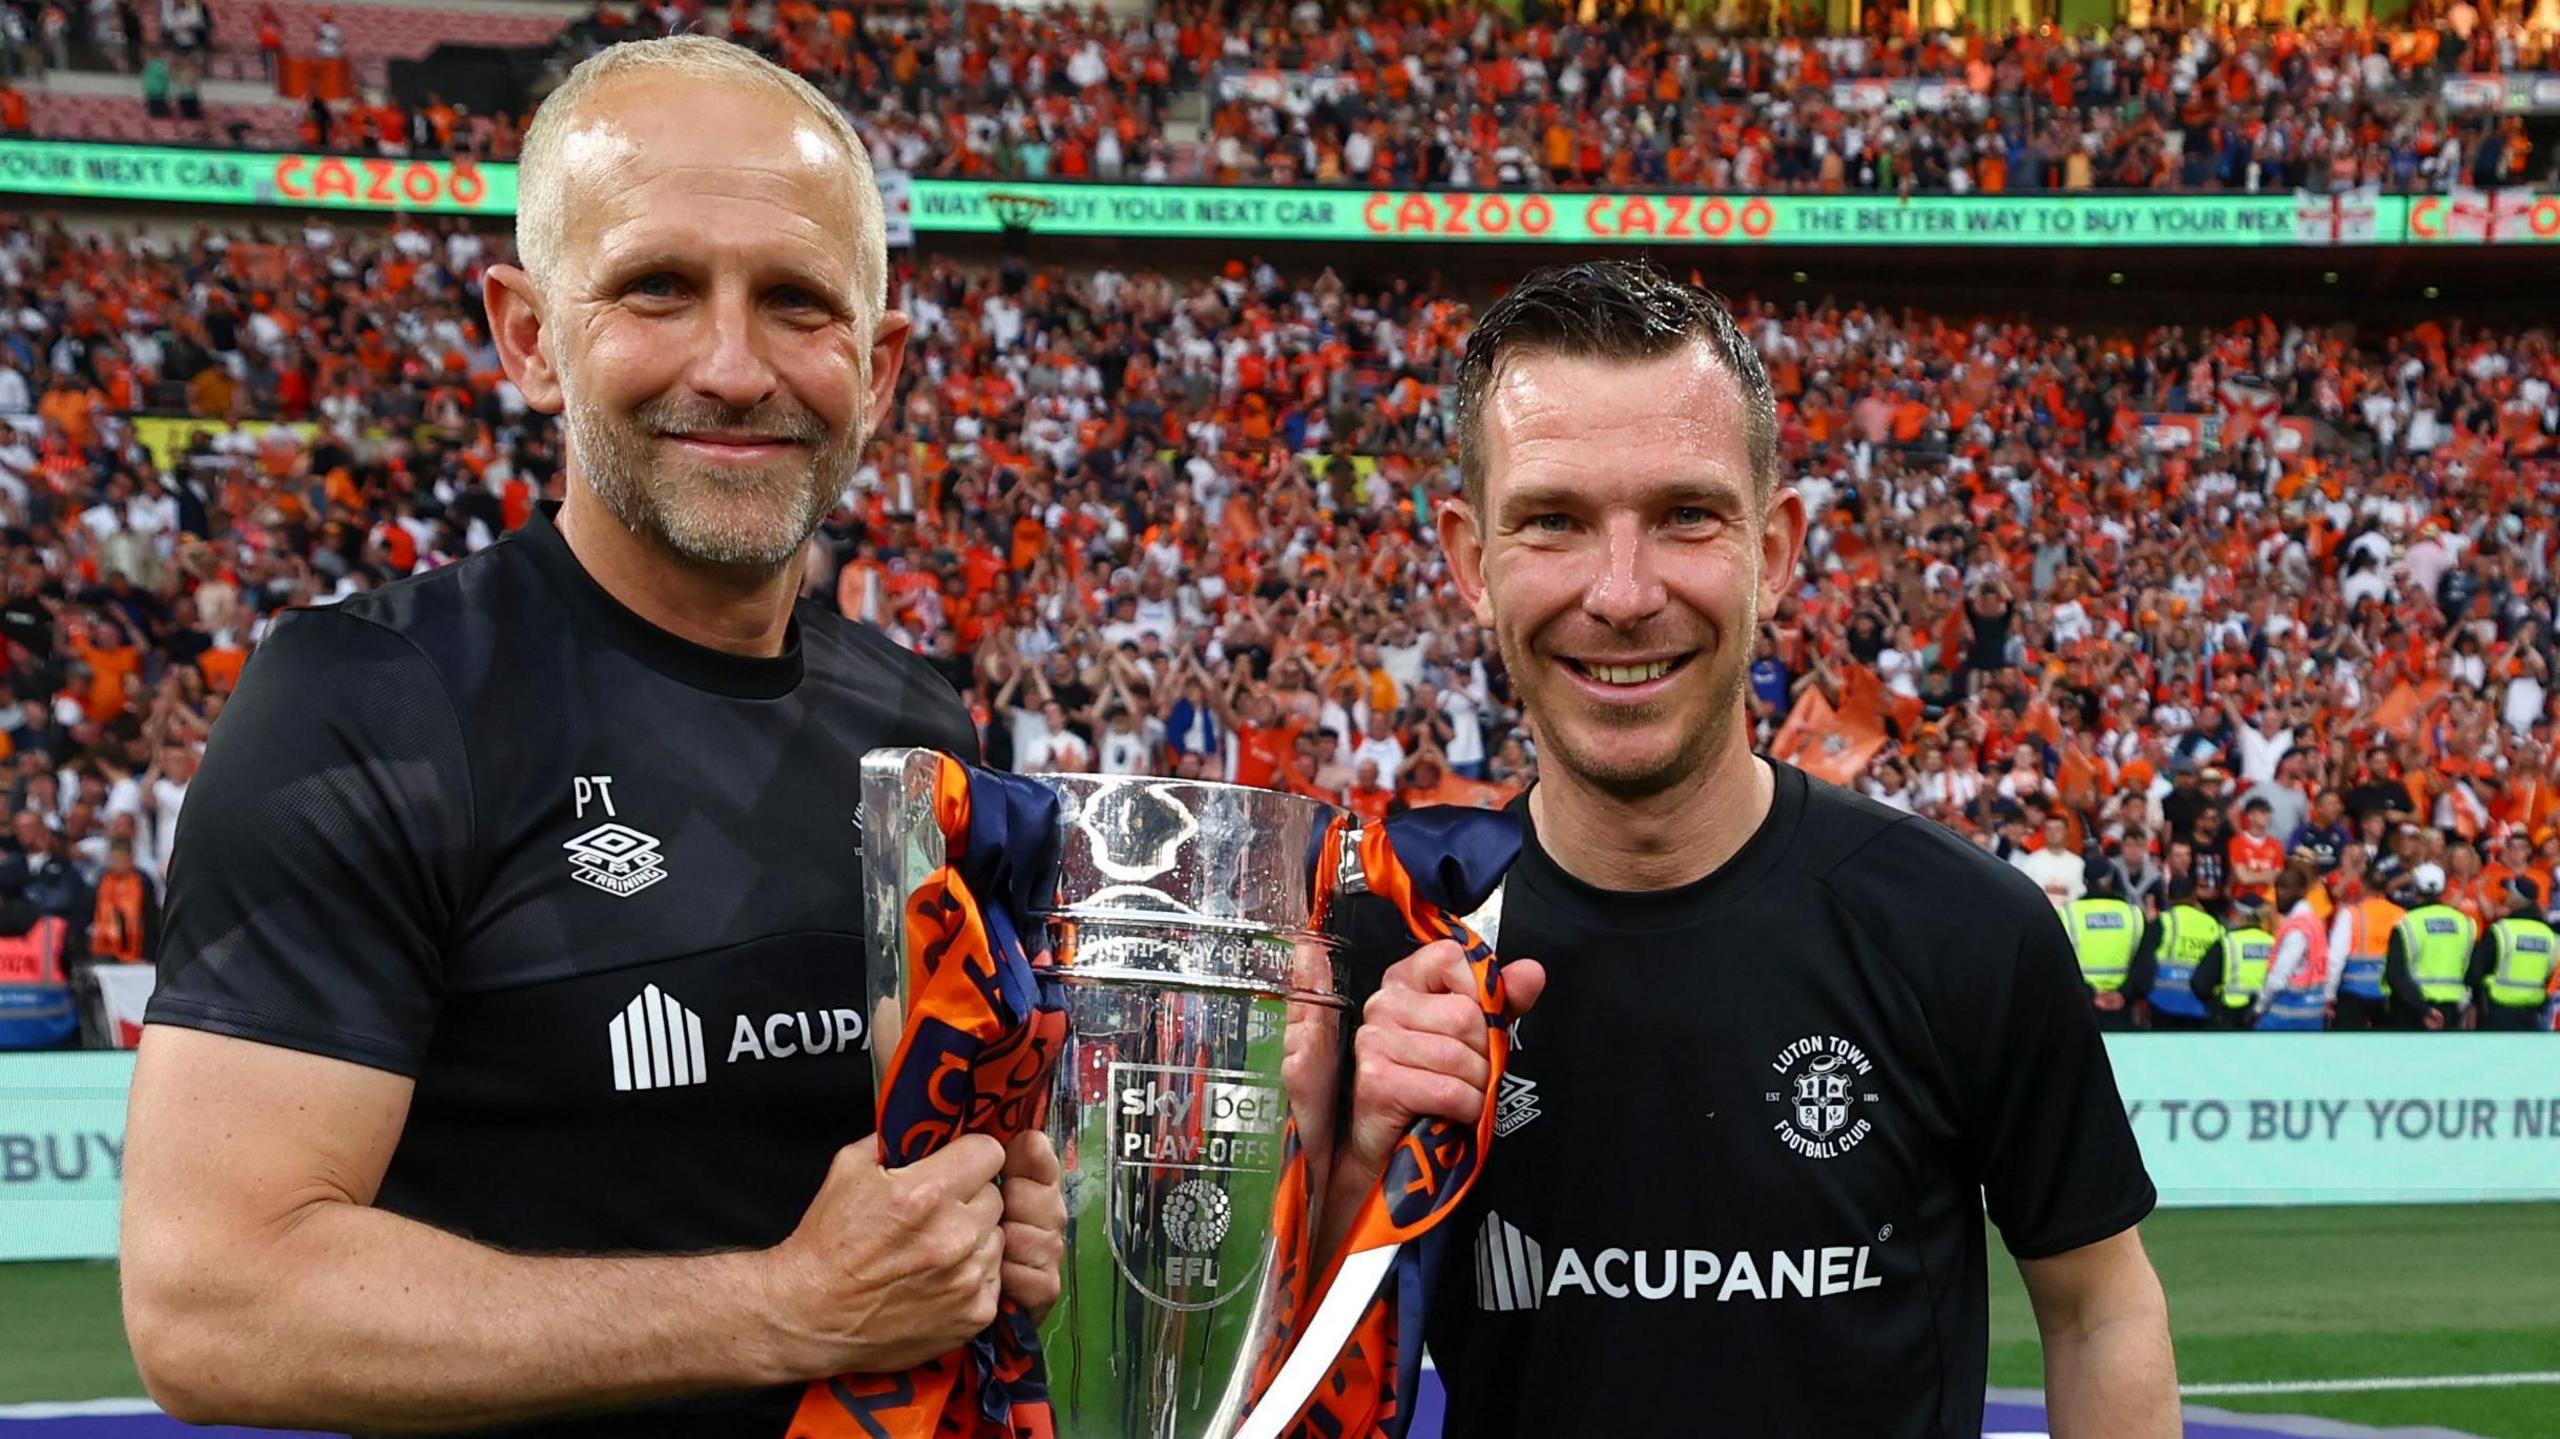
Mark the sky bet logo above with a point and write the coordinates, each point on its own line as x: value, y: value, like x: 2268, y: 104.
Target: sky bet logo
x: 1186, y: 1121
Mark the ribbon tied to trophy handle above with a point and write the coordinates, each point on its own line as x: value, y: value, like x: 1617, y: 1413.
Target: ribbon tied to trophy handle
x: 1442, y: 871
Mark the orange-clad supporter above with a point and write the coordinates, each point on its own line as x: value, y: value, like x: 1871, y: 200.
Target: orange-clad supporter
x: 220, y: 665
x: 1369, y: 797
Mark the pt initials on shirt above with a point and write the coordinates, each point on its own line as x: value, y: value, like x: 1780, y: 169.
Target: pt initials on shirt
x: 612, y: 857
x: 592, y: 789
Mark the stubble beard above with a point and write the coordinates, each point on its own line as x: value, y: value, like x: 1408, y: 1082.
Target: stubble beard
x: 1728, y: 677
x: 746, y: 519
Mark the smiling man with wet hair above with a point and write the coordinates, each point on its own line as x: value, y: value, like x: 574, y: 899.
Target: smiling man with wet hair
x: 1790, y: 1041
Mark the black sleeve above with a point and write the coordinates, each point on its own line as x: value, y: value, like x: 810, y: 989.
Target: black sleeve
x: 2045, y: 1125
x: 2207, y: 983
x: 323, y: 854
x: 2484, y: 958
x: 2144, y: 971
x: 2396, y: 976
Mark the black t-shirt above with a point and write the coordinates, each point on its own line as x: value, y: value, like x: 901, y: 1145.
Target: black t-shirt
x: 2383, y: 795
x: 1747, y: 1136
x: 2323, y: 843
x: 595, y: 888
x: 24, y: 620
x: 2180, y: 807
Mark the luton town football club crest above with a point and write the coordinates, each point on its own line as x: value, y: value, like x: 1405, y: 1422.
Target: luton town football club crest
x: 1822, y: 1086
x: 1822, y: 1096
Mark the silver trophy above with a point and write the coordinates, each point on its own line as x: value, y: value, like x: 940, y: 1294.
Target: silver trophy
x: 1203, y: 1016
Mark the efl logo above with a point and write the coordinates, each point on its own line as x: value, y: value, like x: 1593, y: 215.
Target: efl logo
x: 657, y: 1044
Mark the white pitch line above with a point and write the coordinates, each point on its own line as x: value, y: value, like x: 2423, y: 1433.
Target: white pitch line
x: 2359, y: 1386
x: 78, y: 1409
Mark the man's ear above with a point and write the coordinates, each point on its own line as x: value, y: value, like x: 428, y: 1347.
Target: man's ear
x: 888, y: 352
x: 1462, y: 539
x: 1782, y: 529
x: 517, y: 323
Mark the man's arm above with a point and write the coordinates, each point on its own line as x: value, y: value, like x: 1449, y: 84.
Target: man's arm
x: 2397, y: 978
x: 2484, y: 962
x: 299, y: 979
x: 251, y: 1251
x: 2342, y: 938
x: 1419, y: 1051
x: 2143, y: 970
x: 2108, y: 1371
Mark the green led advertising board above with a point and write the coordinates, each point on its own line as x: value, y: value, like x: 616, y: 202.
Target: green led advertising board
x: 165, y: 175
x: 2233, y: 1119
x: 169, y: 175
x: 1172, y: 212
x: 61, y: 1153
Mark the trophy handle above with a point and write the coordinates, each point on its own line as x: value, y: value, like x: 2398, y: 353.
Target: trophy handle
x: 902, y: 846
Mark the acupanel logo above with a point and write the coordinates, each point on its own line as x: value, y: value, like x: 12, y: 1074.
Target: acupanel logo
x: 1511, y: 1270
x: 657, y: 1044
x: 1514, y: 1273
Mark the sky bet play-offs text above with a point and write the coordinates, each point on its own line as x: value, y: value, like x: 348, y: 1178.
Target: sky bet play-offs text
x: 2514, y: 216
x: 2222, y: 1118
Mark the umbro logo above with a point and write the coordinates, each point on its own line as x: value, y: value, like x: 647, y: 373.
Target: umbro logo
x: 617, y: 859
x: 613, y: 856
x: 1515, y: 1106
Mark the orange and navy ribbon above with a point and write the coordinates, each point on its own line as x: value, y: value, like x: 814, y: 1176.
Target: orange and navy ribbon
x: 1435, y: 865
x: 985, y: 1022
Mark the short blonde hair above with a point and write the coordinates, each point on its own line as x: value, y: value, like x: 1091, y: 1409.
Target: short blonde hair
x: 540, y: 212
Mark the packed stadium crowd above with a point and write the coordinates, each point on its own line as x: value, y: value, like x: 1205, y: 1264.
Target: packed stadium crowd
x: 1465, y: 97
x: 1460, y: 104
x: 1183, y: 525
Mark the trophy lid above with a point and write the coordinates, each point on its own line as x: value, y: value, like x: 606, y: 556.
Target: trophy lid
x: 1200, y: 854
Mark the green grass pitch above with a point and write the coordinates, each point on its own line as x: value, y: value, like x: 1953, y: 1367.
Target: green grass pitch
x: 2254, y: 1295
x: 2346, y: 1293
